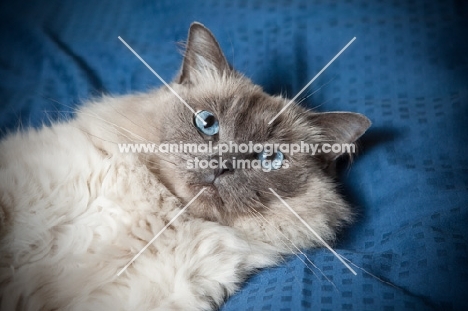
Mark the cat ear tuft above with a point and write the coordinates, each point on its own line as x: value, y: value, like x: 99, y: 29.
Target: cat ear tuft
x: 203, y: 54
x: 340, y: 128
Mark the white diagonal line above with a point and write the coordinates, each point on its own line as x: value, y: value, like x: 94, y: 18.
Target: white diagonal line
x: 313, y: 231
x: 159, y: 233
x: 162, y: 80
x: 313, y: 79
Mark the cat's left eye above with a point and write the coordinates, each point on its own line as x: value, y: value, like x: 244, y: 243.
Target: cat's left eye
x: 206, y: 123
x: 271, y: 162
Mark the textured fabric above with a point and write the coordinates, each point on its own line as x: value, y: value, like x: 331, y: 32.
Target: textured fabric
x: 407, y: 71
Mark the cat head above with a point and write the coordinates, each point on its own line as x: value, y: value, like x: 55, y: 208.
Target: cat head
x: 231, y: 110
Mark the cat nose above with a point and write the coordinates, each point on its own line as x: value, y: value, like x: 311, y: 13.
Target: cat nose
x: 225, y: 167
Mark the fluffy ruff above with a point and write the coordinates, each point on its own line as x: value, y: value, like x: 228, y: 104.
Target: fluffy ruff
x: 74, y: 215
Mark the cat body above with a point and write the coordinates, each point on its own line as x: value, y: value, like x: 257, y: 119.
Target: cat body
x: 75, y: 210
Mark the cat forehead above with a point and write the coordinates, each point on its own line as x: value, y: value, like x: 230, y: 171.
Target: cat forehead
x: 248, y: 116
x: 243, y: 109
x: 228, y: 94
x: 247, y: 104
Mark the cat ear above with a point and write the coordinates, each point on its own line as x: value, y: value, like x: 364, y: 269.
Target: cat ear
x: 339, y: 128
x: 202, y: 54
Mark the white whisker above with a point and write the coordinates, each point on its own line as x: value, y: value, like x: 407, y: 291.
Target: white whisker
x: 314, y: 232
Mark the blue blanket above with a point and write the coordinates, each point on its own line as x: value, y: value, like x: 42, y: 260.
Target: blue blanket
x: 407, y: 71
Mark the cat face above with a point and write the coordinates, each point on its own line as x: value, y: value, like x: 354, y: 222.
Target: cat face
x: 238, y: 112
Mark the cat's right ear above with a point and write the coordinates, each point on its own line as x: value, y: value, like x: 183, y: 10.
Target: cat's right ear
x: 339, y: 128
x: 203, y: 55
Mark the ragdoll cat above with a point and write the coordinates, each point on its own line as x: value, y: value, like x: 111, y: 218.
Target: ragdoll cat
x: 75, y: 210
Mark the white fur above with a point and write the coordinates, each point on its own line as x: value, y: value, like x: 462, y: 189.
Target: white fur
x: 74, y: 215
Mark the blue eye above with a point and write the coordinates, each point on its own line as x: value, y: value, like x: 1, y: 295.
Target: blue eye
x: 211, y: 126
x: 271, y: 162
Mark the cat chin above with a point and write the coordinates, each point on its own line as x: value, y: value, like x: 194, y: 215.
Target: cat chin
x: 210, y: 204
